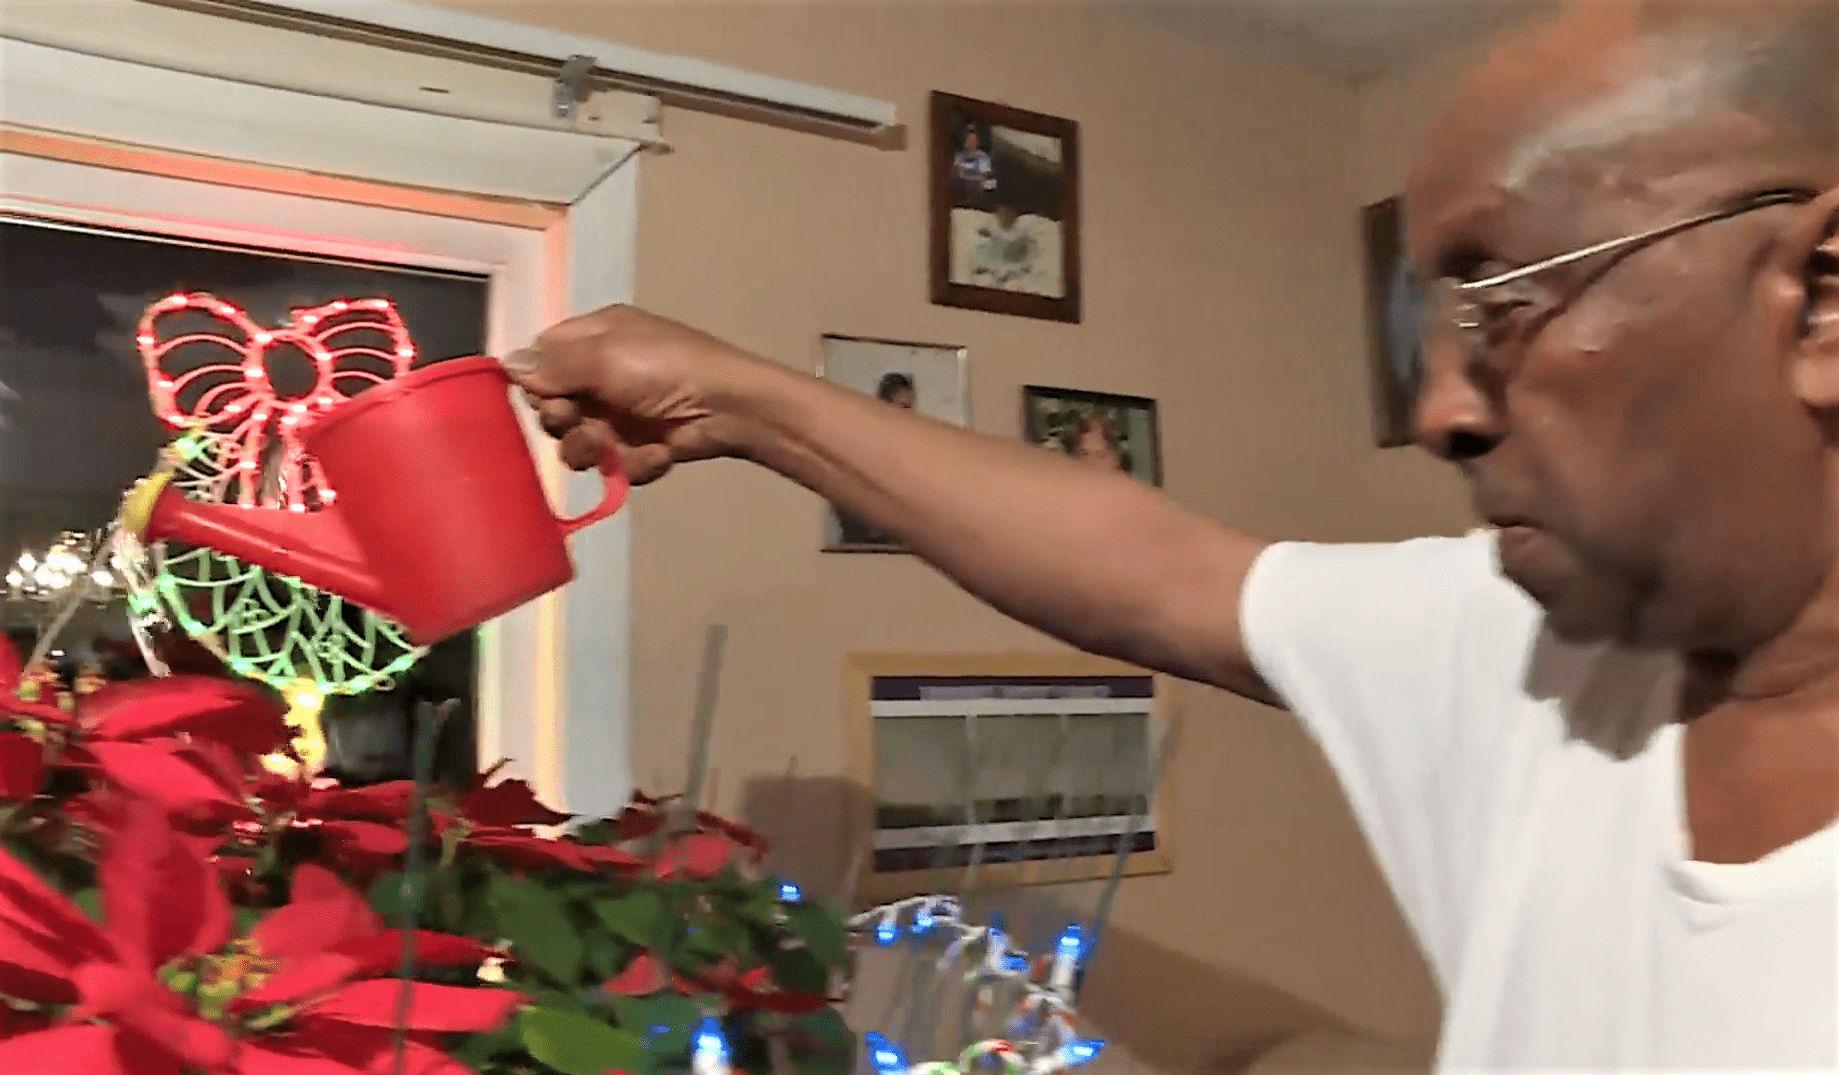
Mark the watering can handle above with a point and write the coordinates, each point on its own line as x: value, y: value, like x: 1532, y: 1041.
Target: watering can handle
x: 613, y: 473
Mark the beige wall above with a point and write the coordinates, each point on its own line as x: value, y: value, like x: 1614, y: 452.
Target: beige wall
x: 1222, y: 278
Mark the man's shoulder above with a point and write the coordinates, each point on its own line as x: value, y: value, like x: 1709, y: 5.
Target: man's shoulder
x: 1434, y: 596
x: 1467, y: 560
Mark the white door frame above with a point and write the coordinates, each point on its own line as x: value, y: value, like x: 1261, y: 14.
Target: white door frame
x: 555, y: 676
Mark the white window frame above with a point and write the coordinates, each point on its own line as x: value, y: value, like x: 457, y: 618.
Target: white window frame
x: 555, y: 676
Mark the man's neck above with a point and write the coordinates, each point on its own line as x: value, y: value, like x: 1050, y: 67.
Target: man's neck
x: 1762, y: 739
x: 1800, y: 664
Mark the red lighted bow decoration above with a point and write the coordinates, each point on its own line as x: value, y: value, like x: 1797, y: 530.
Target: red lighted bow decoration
x: 230, y: 398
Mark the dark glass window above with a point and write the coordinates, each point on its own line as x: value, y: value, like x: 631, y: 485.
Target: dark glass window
x: 77, y: 428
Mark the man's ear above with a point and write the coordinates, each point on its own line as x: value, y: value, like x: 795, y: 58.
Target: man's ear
x: 1814, y: 262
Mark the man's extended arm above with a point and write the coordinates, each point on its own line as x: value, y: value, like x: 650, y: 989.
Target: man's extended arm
x: 1081, y: 553
x: 1087, y: 555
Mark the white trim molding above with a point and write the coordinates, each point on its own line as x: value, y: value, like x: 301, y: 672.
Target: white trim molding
x: 596, y: 774
x: 116, y: 101
x: 271, y: 57
x: 675, y: 80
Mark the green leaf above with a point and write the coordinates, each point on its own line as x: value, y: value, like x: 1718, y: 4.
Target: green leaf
x: 798, y: 970
x: 635, y: 917
x: 558, y: 1000
x: 822, y: 1043
x: 387, y: 898
x: 820, y: 926
x: 663, y: 1022
x: 477, y: 1050
x: 447, y: 901
x: 478, y: 915
x: 760, y: 905
x: 541, y: 936
x: 720, y: 937
x: 89, y: 901
x: 246, y: 918
x: 605, y: 955
x: 576, y: 1044
x: 697, y: 948
x: 598, y: 833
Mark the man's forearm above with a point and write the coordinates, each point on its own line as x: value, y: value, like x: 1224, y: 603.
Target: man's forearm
x: 1089, y: 556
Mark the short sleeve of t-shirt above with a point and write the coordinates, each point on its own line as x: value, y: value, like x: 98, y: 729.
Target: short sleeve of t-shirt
x: 1405, y: 663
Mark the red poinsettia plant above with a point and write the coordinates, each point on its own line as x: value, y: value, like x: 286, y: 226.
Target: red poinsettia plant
x: 164, y: 985
x: 169, y: 906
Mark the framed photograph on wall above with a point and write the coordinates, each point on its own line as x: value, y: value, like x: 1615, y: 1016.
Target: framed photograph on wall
x: 1004, y: 187
x: 1040, y: 768
x: 1110, y: 431
x: 924, y: 377
x: 1394, y: 323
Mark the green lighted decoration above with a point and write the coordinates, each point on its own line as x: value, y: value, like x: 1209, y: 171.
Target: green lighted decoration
x: 275, y: 629
x: 240, y: 442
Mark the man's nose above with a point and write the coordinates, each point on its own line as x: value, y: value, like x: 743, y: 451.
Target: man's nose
x: 1458, y: 415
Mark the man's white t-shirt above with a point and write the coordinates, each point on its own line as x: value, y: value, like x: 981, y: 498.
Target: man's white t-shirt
x: 1524, y: 799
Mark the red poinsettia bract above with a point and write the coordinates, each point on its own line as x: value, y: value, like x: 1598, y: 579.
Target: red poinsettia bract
x: 184, y: 743
x: 743, y: 990
x: 156, y: 991
x: 359, y: 833
x: 22, y: 755
x: 646, y: 815
x: 362, y: 826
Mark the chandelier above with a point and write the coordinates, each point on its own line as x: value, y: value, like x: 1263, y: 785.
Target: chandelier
x: 73, y: 561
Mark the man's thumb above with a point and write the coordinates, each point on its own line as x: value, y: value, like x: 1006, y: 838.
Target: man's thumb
x: 540, y: 374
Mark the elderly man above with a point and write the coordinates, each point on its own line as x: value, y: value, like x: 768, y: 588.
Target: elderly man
x: 1595, y: 746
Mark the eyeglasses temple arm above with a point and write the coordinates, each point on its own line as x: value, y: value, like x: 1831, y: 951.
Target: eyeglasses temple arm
x: 1611, y: 245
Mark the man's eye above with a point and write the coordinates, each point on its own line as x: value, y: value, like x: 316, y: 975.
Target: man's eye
x: 1504, y: 306
x: 1500, y: 315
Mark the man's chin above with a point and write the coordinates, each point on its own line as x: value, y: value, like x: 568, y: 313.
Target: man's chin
x: 1581, y: 605
x: 1575, y: 609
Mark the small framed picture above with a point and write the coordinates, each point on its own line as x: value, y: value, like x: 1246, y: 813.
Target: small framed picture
x: 930, y: 379
x: 1394, y: 324
x: 1005, y: 209
x: 1110, y: 431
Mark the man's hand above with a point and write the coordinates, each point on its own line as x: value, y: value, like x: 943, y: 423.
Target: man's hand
x: 624, y: 378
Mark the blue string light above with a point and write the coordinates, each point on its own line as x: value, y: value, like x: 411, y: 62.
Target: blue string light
x: 789, y: 893
x: 710, y: 1047
x: 1080, y: 1051
x: 884, y: 1054
x: 1044, y: 1016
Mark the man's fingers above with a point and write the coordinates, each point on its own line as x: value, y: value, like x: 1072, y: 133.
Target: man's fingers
x: 583, y: 448
x: 645, y: 463
x: 558, y: 416
x: 585, y: 444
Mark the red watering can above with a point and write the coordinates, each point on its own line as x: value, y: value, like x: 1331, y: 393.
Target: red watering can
x: 440, y: 523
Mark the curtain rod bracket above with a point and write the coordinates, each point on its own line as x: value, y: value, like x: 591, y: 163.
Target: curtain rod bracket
x: 571, y: 85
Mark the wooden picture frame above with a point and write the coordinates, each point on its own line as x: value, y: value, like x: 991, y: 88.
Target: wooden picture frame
x: 1125, y: 430
x: 1004, y: 191
x: 871, y: 686
x: 1395, y: 345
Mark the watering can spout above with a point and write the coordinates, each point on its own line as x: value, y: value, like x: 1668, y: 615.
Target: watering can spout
x: 315, y: 547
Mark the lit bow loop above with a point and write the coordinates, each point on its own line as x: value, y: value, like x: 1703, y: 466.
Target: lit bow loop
x: 215, y: 379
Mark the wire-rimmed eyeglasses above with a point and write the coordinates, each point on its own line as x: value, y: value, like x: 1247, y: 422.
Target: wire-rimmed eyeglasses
x: 1464, y: 305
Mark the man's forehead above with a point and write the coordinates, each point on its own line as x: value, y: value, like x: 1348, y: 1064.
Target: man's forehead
x: 1583, y: 106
